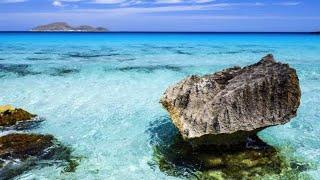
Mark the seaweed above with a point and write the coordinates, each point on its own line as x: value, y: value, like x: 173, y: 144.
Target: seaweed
x: 37, y: 59
x: 64, y: 71
x: 90, y: 55
x: 183, y: 52
x: 18, y: 69
x: 149, y: 69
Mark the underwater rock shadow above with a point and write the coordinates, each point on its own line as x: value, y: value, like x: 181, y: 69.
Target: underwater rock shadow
x: 178, y: 158
x: 126, y: 59
x: 149, y: 69
x: 162, y: 135
x: 183, y: 52
x: 253, y: 51
x: 180, y: 49
x: 64, y: 71
x: 90, y: 55
x: 17, y: 69
x: 38, y: 58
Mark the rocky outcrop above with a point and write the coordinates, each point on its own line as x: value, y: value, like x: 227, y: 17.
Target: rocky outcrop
x: 227, y: 107
x: 64, y: 27
x: 10, y: 116
x: 21, y: 152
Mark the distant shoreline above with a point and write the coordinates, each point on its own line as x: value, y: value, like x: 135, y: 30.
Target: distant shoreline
x: 153, y: 32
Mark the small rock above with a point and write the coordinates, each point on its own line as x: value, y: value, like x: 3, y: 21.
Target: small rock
x: 10, y: 116
x: 21, y: 152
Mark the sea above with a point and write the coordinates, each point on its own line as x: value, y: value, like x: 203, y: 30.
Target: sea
x: 99, y: 92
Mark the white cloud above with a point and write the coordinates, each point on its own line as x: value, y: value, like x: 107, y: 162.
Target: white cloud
x: 109, y: 1
x: 288, y: 3
x: 203, y: 1
x: 183, y: 1
x: 57, y: 4
x: 168, y: 1
x: 135, y: 2
x: 159, y: 9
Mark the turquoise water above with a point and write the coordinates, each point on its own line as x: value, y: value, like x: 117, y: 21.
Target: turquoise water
x: 100, y: 93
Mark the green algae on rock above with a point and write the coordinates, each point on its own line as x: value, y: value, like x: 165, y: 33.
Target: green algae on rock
x: 21, y: 119
x: 22, y: 152
x: 253, y: 160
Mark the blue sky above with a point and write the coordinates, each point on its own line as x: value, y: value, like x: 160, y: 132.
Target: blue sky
x: 165, y: 15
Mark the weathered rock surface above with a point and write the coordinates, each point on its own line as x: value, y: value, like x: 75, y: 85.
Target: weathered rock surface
x: 229, y: 106
x: 10, y: 116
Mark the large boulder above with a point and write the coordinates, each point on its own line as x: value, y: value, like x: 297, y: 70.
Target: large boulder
x: 229, y: 106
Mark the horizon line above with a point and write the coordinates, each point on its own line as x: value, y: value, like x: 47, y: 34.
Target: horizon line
x: 267, y: 32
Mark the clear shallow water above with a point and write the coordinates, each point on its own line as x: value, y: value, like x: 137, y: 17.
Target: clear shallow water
x: 100, y: 93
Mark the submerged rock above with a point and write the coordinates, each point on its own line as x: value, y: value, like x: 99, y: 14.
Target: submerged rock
x: 261, y: 161
x: 229, y: 106
x: 21, y: 152
x: 17, y: 69
x: 64, y: 71
x: 252, y: 160
x: 10, y: 116
x: 22, y: 146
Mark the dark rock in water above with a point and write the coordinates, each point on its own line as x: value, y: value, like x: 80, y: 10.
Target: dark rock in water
x: 22, y: 146
x: 18, y: 69
x: 16, y: 118
x: 150, y: 69
x: 180, y: 159
x: 229, y: 106
x: 64, y: 71
x: 21, y: 152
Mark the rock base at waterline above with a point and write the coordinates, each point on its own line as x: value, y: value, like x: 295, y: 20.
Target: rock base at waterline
x: 253, y: 160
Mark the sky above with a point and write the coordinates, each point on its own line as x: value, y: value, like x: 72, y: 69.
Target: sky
x: 166, y: 15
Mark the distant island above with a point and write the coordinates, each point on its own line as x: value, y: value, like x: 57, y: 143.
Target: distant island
x: 65, y: 27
